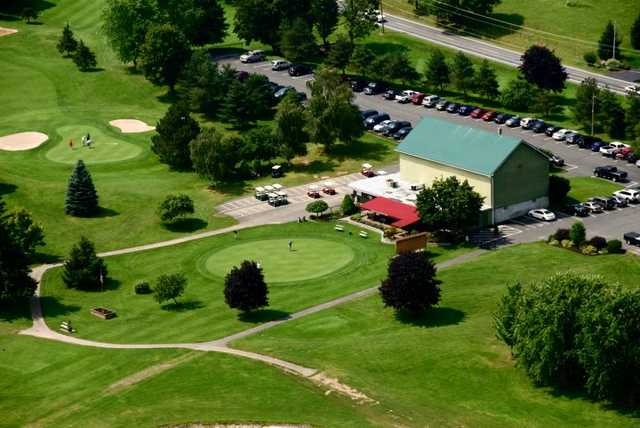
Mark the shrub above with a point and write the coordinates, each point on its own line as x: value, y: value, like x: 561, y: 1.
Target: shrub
x: 599, y: 242
x: 566, y: 243
x: 561, y: 234
x: 578, y: 233
x: 143, y: 288
x: 590, y: 58
x: 317, y: 207
x: 614, y: 246
x: 554, y: 242
x: 613, y: 64
x: 389, y: 232
x: 589, y: 250
x: 348, y: 206
x: 175, y: 207
x: 356, y: 217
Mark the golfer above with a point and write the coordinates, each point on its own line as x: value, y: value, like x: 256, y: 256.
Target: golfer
x: 290, y: 245
x: 71, y: 144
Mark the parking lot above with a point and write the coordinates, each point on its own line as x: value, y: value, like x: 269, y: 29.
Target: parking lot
x: 579, y: 162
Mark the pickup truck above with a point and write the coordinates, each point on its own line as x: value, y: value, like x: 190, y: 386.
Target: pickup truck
x: 632, y: 238
x: 610, y: 173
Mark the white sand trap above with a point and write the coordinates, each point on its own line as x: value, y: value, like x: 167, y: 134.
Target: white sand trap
x: 22, y: 141
x: 131, y: 126
x: 7, y: 31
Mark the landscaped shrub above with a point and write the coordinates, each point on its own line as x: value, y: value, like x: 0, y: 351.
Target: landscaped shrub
x: 389, y: 232
x: 561, y: 234
x: 566, y: 243
x: 143, y: 288
x: 590, y: 58
x: 613, y: 64
x: 614, y: 246
x: 348, y: 205
x: 578, y: 233
x: 599, y: 242
x: 554, y: 242
x: 589, y: 250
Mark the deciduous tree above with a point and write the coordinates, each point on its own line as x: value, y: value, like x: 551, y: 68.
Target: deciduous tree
x: 215, y: 155
x: 169, y: 287
x: 486, y: 81
x: 245, y: 288
x: 325, y: 17
x: 289, y: 131
x: 462, y: 73
x: 340, y: 53
x: 24, y: 231
x: 317, y: 207
x: 559, y: 188
x: 360, y: 17
x: 81, y: 199
x: 361, y: 60
x: 461, y: 12
x: 437, y: 72
x: 201, y: 21
x: 542, y: 68
x: 125, y: 23
x: 83, y: 269
x: 611, y: 114
x: 634, y: 38
x: 174, y: 133
x: 164, y: 53
x: 518, y: 95
x: 297, y: 42
x: 174, y: 207
x: 587, y: 96
x: 348, y: 206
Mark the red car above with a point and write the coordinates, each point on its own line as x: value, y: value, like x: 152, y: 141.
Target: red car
x: 489, y: 116
x: 417, y: 98
x: 623, y: 153
x: 478, y: 113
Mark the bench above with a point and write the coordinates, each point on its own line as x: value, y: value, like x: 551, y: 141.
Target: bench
x: 65, y: 326
x: 364, y: 234
x: 339, y: 228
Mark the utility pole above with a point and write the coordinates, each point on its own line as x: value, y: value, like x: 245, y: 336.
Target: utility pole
x: 593, y: 111
x: 381, y: 17
x: 614, y: 39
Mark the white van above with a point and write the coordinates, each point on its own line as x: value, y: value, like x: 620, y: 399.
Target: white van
x: 430, y: 101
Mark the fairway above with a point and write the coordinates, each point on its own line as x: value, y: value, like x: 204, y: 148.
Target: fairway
x: 309, y: 258
x: 105, y: 148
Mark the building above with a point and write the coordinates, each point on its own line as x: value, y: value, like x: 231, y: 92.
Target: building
x: 509, y: 173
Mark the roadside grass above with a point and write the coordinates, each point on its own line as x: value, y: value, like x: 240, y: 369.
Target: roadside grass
x: 570, y: 28
x: 447, y: 367
x: 583, y: 188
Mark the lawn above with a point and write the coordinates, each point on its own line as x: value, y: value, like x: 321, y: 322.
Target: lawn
x: 571, y: 28
x: 583, y: 188
x: 447, y: 367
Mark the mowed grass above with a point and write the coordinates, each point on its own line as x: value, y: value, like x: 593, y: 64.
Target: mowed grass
x: 583, y: 188
x: 202, y: 313
x: 447, y: 368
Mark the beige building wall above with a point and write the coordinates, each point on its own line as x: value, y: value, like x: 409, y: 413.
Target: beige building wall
x: 420, y: 171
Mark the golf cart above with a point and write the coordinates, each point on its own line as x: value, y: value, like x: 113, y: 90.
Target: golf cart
x: 276, y: 171
x: 314, y: 192
x: 367, y: 170
x: 329, y: 188
x: 261, y: 194
x: 277, y: 187
x: 277, y: 198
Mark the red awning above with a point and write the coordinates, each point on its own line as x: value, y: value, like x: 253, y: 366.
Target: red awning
x: 404, y: 215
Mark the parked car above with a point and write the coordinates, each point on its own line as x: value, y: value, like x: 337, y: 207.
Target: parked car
x: 489, y: 116
x: 417, y: 98
x: 593, y: 207
x: 587, y: 141
x: 465, y: 110
x: 391, y: 95
x: 606, y: 203
x: 578, y: 210
x: 502, y: 118
x: 632, y: 158
x: 539, y: 127
x: 527, y: 122
x: 404, y: 97
x: 453, y: 108
x: 430, y: 101
x: 556, y: 161
x: 630, y: 195
x: 403, y: 132
x: 374, y: 88
x: 620, y: 202
x: 561, y: 134
x: 542, y: 214
x: 608, y: 150
x: 610, y: 173
x: 394, y: 127
x: 551, y: 129
x: 632, y: 238
x: 572, y: 138
x: 368, y: 113
x: 442, y: 105
x: 623, y: 153
x: 478, y: 113
x: 513, y: 121
x: 596, y: 145
x: 380, y: 127
x: 253, y: 56
x: 280, y: 64
x: 632, y: 90
x: 358, y: 85
x: 279, y: 95
x: 372, y: 121
x: 299, y: 70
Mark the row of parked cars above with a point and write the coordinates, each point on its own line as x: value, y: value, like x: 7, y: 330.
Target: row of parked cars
x: 598, y: 204
x: 382, y: 123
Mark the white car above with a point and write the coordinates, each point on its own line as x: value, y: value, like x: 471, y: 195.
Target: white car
x: 593, y: 207
x: 630, y: 195
x: 405, y: 96
x: 280, y: 64
x: 607, y: 150
x: 252, y: 56
x: 430, y: 101
x: 632, y: 90
x: 542, y: 214
x: 526, y: 122
x: 382, y: 125
x: 561, y: 134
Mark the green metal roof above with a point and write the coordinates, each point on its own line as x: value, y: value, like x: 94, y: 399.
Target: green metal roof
x: 458, y: 146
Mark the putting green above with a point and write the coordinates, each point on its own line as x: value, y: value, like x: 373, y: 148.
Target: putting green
x: 105, y: 148
x: 309, y: 258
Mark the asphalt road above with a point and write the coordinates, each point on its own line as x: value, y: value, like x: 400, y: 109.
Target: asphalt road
x: 487, y: 50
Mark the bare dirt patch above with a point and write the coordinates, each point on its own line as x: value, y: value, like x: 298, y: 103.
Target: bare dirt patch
x: 131, y: 126
x: 149, y: 372
x: 22, y: 141
x: 239, y: 425
x: 7, y: 31
x: 335, y: 385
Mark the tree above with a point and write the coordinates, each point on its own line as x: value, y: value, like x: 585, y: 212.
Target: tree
x: 361, y: 59
x: 247, y: 101
x: 289, y: 131
x: 15, y: 283
x: 544, y: 103
x: 486, y: 81
x: 317, y: 207
x: 559, y: 188
x: 411, y: 283
x: 634, y: 38
x: 125, y: 23
x: 518, y: 95
x: 201, y: 21
x: 450, y: 206
x: 297, y: 41
x: 331, y: 113
x: 578, y: 233
x: 590, y: 58
x: 632, y: 116
x: 258, y: 20
x: 83, y: 269
x: 81, y: 199
x: 587, y: 95
x: 397, y: 66
x: 505, y: 318
x: 611, y: 114
x: 169, y: 287
x: 83, y: 57
x: 462, y: 73
x: 447, y: 11
x: 348, y: 206
x: 215, y: 155
x: 542, y: 68
x: 29, y: 14
x: 174, y: 207
x: 25, y: 232
x: 67, y: 44
x: 163, y: 54
x: 360, y: 17
x: 203, y: 86
x: 340, y: 53
x: 437, y: 72
x: 607, y: 44
x: 245, y: 288
x: 258, y: 146
x: 174, y: 132
x: 325, y: 17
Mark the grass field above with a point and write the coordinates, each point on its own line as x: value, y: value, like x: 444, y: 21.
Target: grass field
x: 447, y: 367
x: 583, y: 188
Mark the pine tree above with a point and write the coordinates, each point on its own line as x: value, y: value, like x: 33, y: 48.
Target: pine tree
x: 84, y: 270
x: 174, y: 133
x: 462, y: 72
x: 486, y: 81
x: 84, y: 58
x: 606, y: 43
x: 81, y: 199
x: 437, y: 73
x: 67, y: 44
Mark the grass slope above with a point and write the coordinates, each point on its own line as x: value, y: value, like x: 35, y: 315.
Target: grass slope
x: 583, y: 188
x: 447, y: 367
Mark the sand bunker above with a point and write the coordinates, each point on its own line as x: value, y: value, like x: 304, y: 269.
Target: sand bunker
x: 7, y: 31
x: 22, y: 141
x: 131, y: 126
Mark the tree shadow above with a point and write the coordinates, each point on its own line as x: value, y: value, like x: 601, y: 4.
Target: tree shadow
x: 15, y: 311
x: 52, y: 307
x: 263, y: 315
x: 93, y: 70
x: 381, y: 48
x: 12, y: 11
x: 42, y: 258
x: 434, y: 317
x: 225, y: 52
x: 6, y: 188
x: 628, y: 410
x: 106, y: 212
x: 186, y: 225
x: 168, y: 97
x: 360, y: 150
x: 183, y: 306
x: 236, y: 188
x: 315, y: 167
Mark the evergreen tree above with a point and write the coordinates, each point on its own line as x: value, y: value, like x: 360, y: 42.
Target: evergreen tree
x: 174, y: 133
x: 462, y: 72
x: 245, y: 288
x: 67, y: 44
x: 437, y: 73
x: 83, y: 269
x: 15, y: 283
x: 297, y: 41
x: 518, y: 95
x: 635, y: 33
x: 607, y: 42
x: 396, y: 66
x: 632, y: 118
x: 348, y: 206
x: 29, y: 14
x: 486, y: 81
x: 81, y: 199
x: 203, y: 86
x: 84, y: 58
